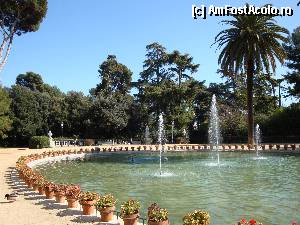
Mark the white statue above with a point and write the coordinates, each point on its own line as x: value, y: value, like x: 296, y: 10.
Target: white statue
x: 50, y: 135
x: 52, y: 144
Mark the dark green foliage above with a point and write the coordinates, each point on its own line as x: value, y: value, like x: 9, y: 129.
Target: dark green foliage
x: 30, y: 80
x: 109, y: 114
x: 39, y: 142
x: 77, y: 109
x: 23, y: 15
x: 36, y: 108
x: 155, y: 69
x: 166, y: 86
x: 115, y: 77
x: 30, y: 113
x: 293, y: 57
x: 18, y: 17
x: 5, y: 121
x: 284, y: 122
x: 181, y: 65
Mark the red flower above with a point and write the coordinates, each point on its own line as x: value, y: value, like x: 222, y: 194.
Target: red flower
x: 294, y: 222
x: 252, y: 222
x: 243, y: 220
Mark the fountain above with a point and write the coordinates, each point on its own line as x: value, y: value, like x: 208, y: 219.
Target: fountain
x: 160, y: 139
x: 214, y: 130
x: 257, y: 139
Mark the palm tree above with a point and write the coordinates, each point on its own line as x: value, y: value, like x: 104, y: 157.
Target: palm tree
x: 251, y: 45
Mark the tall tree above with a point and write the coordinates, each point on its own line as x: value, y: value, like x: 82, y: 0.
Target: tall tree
x: 16, y: 18
x: 109, y: 114
x: 293, y: 57
x: 155, y: 70
x: 115, y: 77
x: 30, y: 80
x: 5, y: 121
x: 155, y: 73
x: 181, y: 65
x: 77, y: 107
x: 251, y: 44
x: 30, y: 110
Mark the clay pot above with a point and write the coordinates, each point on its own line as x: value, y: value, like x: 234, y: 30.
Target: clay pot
x: 88, y: 207
x: 131, y: 219
x: 60, y: 198
x: 35, y: 187
x: 107, y: 214
x: 49, y: 194
x: 29, y: 184
x: 72, y: 202
x: 41, y: 190
x: 166, y: 222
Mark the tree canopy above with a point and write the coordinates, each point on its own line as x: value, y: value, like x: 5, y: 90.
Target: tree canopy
x: 293, y: 63
x: 5, y: 121
x: 16, y: 18
x: 115, y: 77
x: 251, y: 44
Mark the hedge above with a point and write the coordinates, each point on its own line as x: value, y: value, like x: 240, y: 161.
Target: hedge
x: 39, y: 142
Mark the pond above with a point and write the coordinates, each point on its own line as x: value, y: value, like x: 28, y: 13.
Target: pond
x: 242, y: 185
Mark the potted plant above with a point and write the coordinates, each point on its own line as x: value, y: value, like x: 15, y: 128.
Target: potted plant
x: 106, y: 206
x: 130, y: 212
x: 250, y: 222
x: 40, y: 183
x: 49, y: 190
x: 157, y: 215
x: 60, y: 193
x: 198, y: 217
x: 88, y: 201
x: 72, y: 194
x: 35, y: 180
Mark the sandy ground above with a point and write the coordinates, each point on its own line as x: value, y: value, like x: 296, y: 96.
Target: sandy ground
x: 31, y: 208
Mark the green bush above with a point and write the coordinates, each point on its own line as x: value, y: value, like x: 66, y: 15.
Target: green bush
x: 39, y: 142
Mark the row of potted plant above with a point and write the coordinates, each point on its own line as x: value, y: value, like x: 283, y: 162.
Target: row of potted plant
x: 106, y: 204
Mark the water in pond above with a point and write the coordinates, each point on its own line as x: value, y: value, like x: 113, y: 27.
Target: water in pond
x: 241, y: 186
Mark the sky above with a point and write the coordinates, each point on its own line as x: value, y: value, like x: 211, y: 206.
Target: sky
x: 76, y: 37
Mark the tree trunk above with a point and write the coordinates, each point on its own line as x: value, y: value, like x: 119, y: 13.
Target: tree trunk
x: 2, y: 63
x: 2, y: 46
x: 250, y: 72
x: 279, y: 94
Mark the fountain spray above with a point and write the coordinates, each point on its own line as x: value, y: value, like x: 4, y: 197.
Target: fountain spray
x: 214, y: 130
x: 160, y: 138
x: 257, y: 138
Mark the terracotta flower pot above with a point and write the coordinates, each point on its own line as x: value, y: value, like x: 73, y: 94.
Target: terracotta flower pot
x: 60, y: 198
x: 107, y: 214
x: 131, y: 219
x: 49, y: 194
x: 166, y: 222
x: 29, y: 184
x: 41, y: 190
x: 35, y: 187
x: 88, y: 207
x: 72, y: 203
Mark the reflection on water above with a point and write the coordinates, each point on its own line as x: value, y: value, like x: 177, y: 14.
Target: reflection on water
x: 267, y: 188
